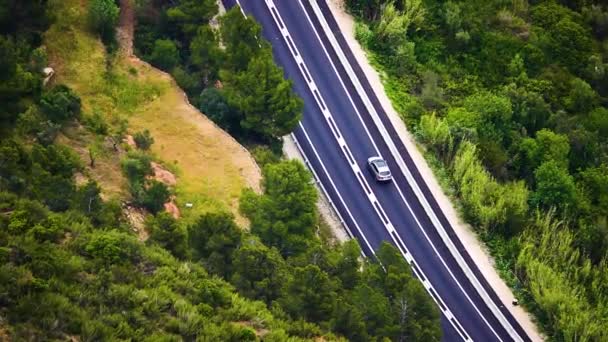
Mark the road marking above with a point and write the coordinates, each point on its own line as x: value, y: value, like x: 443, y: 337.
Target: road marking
x: 314, y: 150
x: 441, y: 230
x: 371, y: 196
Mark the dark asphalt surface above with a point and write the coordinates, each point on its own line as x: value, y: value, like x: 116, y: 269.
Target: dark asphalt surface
x: 361, y: 146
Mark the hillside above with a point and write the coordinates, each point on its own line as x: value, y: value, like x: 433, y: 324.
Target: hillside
x: 211, y: 167
x: 124, y: 211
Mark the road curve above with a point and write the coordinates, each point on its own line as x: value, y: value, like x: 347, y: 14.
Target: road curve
x: 337, y: 134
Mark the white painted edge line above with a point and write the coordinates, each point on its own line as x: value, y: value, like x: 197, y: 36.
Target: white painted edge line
x: 403, y: 197
x: 325, y: 193
x: 441, y: 230
x: 355, y: 168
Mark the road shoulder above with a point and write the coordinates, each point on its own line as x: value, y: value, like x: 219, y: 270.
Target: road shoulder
x: 474, y: 247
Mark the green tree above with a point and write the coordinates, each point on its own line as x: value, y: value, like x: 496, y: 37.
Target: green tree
x: 103, y: 17
x: 348, y: 267
x: 213, y: 238
x: 60, y: 104
x: 494, y: 114
x: 435, y: 132
x: 570, y: 45
x: 164, y: 54
x: 547, y: 146
x: 368, y: 9
x: 349, y: 321
x: 554, y: 187
x: 214, y: 104
x: 582, y: 98
x: 259, y: 272
x: 111, y: 247
x: 189, y: 15
x: 167, y: 232
x: 310, y: 294
x: 240, y: 37
x: 269, y: 107
x: 87, y: 199
x: 205, y: 53
x: 285, y: 215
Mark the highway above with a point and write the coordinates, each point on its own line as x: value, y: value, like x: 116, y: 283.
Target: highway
x: 340, y: 129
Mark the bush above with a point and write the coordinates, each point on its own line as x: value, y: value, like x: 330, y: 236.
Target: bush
x: 112, y: 247
x: 164, y: 54
x: 143, y: 140
x: 213, y: 104
x: 60, y: 104
x: 96, y: 124
x: 155, y: 196
x: 168, y: 233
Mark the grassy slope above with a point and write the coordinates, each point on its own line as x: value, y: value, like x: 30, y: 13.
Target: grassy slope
x: 212, y: 168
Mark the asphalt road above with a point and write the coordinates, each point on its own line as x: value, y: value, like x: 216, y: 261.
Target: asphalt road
x: 383, y: 212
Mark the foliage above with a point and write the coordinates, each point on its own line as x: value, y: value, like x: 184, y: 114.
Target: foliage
x: 513, y: 98
x: 214, y: 238
x: 284, y: 216
x: 168, y: 233
x: 165, y: 54
x: 103, y: 17
x: 143, y: 140
x: 237, y: 85
x: 213, y: 103
x: 269, y: 109
x: 60, y: 104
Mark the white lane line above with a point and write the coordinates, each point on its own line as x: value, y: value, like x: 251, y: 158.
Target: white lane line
x: 441, y: 230
x: 279, y: 20
x: 350, y: 99
x: 332, y: 185
x: 355, y: 168
x: 378, y: 207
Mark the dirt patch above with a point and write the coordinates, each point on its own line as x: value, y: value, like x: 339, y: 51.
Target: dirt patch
x: 130, y: 141
x: 137, y: 219
x: 106, y: 170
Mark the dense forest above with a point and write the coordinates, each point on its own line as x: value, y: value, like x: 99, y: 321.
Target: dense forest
x: 71, y: 266
x: 237, y: 84
x: 509, y: 99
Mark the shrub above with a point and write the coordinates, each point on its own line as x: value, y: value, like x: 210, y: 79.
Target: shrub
x: 164, y: 54
x: 143, y: 140
x: 155, y: 196
x: 103, y: 17
x: 60, y: 104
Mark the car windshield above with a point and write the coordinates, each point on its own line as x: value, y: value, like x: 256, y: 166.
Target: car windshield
x: 380, y: 164
x: 384, y: 173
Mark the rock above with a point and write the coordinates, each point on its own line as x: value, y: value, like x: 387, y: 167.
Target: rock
x: 172, y: 209
x: 48, y: 73
x: 130, y: 141
x: 163, y: 175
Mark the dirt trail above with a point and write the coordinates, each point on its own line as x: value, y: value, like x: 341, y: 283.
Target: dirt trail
x: 126, y: 24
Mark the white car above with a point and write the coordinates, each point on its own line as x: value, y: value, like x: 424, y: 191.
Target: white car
x: 380, y: 169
